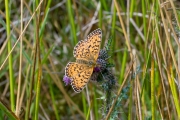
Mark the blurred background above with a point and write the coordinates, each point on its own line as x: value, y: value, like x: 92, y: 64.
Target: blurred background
x: 37, y: 39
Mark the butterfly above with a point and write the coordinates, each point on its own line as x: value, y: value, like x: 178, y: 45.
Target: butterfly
x: 86, y: 53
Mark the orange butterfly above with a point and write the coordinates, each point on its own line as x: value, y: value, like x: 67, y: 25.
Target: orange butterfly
x: 86, y: 53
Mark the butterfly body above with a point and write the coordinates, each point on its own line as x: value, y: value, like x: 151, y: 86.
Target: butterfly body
x: 90, y: 63
x: 86, y: 53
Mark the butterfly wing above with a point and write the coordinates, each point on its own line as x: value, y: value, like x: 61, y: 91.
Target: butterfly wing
x: 79, y: 74
x: 90, y: 47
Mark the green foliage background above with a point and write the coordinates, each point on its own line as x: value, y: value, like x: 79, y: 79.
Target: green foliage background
x: 37, y: 40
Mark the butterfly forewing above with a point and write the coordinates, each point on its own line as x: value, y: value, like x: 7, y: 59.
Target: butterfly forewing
x: 90, y: 47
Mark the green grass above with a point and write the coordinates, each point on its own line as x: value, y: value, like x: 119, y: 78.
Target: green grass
x: 11, y: 73
x: 143, y: 59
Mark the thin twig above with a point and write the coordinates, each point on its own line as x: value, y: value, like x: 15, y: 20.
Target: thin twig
x: 20, y: 35
x: 123, y: 28
x: 89, y: 103
x: 119, y: 92
x: 18, y: 106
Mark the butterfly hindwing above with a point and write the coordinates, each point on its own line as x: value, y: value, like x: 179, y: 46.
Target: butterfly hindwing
x: 79, y: 75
